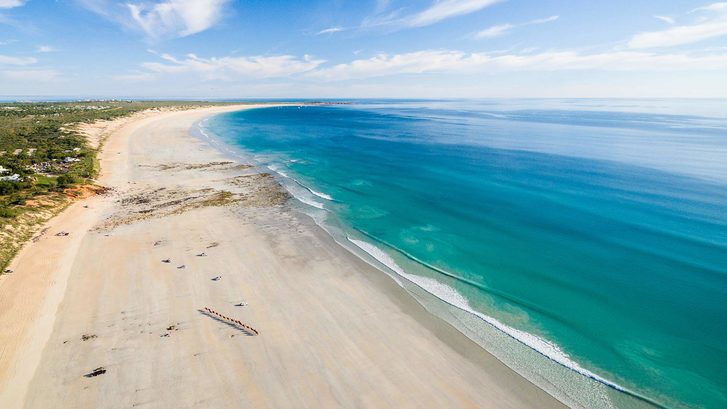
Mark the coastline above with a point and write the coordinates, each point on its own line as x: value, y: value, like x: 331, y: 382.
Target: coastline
x: 317, y: 306
x: 533, y: 357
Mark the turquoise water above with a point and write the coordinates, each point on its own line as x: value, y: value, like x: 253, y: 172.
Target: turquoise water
x: 593, y: 232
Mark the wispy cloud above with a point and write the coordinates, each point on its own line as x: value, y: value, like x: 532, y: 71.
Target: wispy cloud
x: 494, y: 31
x: 722, y: 6
x: 228, y: 68
x: 45, y: 49
x: 444, y: 9
x: 18, y: 61
x: 438, y: 11
x: 161, y: 19
x: 712, y: 25
x: 543, y: 20
x: 330, y: 30
x: 8, y: 4
x: 29, y: 75
x: 177, y: 17
x: 446, y: 61
x: 101, y: 7
x: 501, y: 29
x: 20, y: 26
x: 666, y: 19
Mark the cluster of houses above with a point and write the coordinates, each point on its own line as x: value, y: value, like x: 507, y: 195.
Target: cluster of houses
x: 55, y: 166
x: 64, y: 107
x: 44, y: 168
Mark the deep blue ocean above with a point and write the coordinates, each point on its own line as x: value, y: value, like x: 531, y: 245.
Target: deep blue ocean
x: 582, y: 242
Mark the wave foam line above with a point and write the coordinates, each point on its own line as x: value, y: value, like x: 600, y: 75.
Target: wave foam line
x: 300, y: 198
x: 275, y: 168
x: 315, y: 193
x: 308, y: 201
x: 214, y: 142
x: 319, y: 194
x: 452, y: 297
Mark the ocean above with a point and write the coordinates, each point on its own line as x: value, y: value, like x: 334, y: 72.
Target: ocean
x: 582, y: 242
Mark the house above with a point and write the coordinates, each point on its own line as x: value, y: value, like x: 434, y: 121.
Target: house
x: 11, y: 178
x: 42, y: 167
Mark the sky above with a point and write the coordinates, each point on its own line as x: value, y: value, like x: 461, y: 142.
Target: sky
x: 362, y: 48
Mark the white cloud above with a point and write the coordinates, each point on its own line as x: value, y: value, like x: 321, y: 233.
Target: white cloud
x: 458, y: 62
x: 494, y: 31
x: 383, y: 65
x: 713, y: 7
x: 666, y: 19
x: 18, y: 61
x: 543, y: 20
x: 444, y: 9
x: 436, y: 12
x: 177, y: 17
x: 330, y: 30
x: 431, y: 62
x: 8, y: 4
x: 45, y: 49
x: 228, y: 68
x: 711, y: 26
x: 161, y: 18
x: 29, y: 75
x: 101, y: 7
x: 501, y: 29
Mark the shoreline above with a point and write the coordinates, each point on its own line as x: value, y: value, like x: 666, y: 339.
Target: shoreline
x: 458, y: 372
x: 542, y: 362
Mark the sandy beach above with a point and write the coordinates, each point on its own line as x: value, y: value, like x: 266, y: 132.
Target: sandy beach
x: 112, y: 314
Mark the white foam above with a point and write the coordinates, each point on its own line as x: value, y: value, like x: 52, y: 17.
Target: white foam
x: 319, y: 194
x: 307, y: 201
x: 454, y: 298
x: 295, y: 192
x: 276, y: 169
x: 203, y: 131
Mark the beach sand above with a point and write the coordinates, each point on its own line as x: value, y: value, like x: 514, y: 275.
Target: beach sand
x: 333, y: 331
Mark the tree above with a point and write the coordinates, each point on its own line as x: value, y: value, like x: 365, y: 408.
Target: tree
x: 65, y: 180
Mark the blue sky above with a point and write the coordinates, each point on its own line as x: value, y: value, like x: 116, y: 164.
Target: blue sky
x: 378, y: 48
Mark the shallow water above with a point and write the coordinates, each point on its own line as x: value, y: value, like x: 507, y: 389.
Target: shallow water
x: 592, y: 232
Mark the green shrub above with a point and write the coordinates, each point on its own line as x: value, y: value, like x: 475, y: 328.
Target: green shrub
x: 65, y: 180
x: 7, y: 213
x: 7, y: 187
x: 16, y: 199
